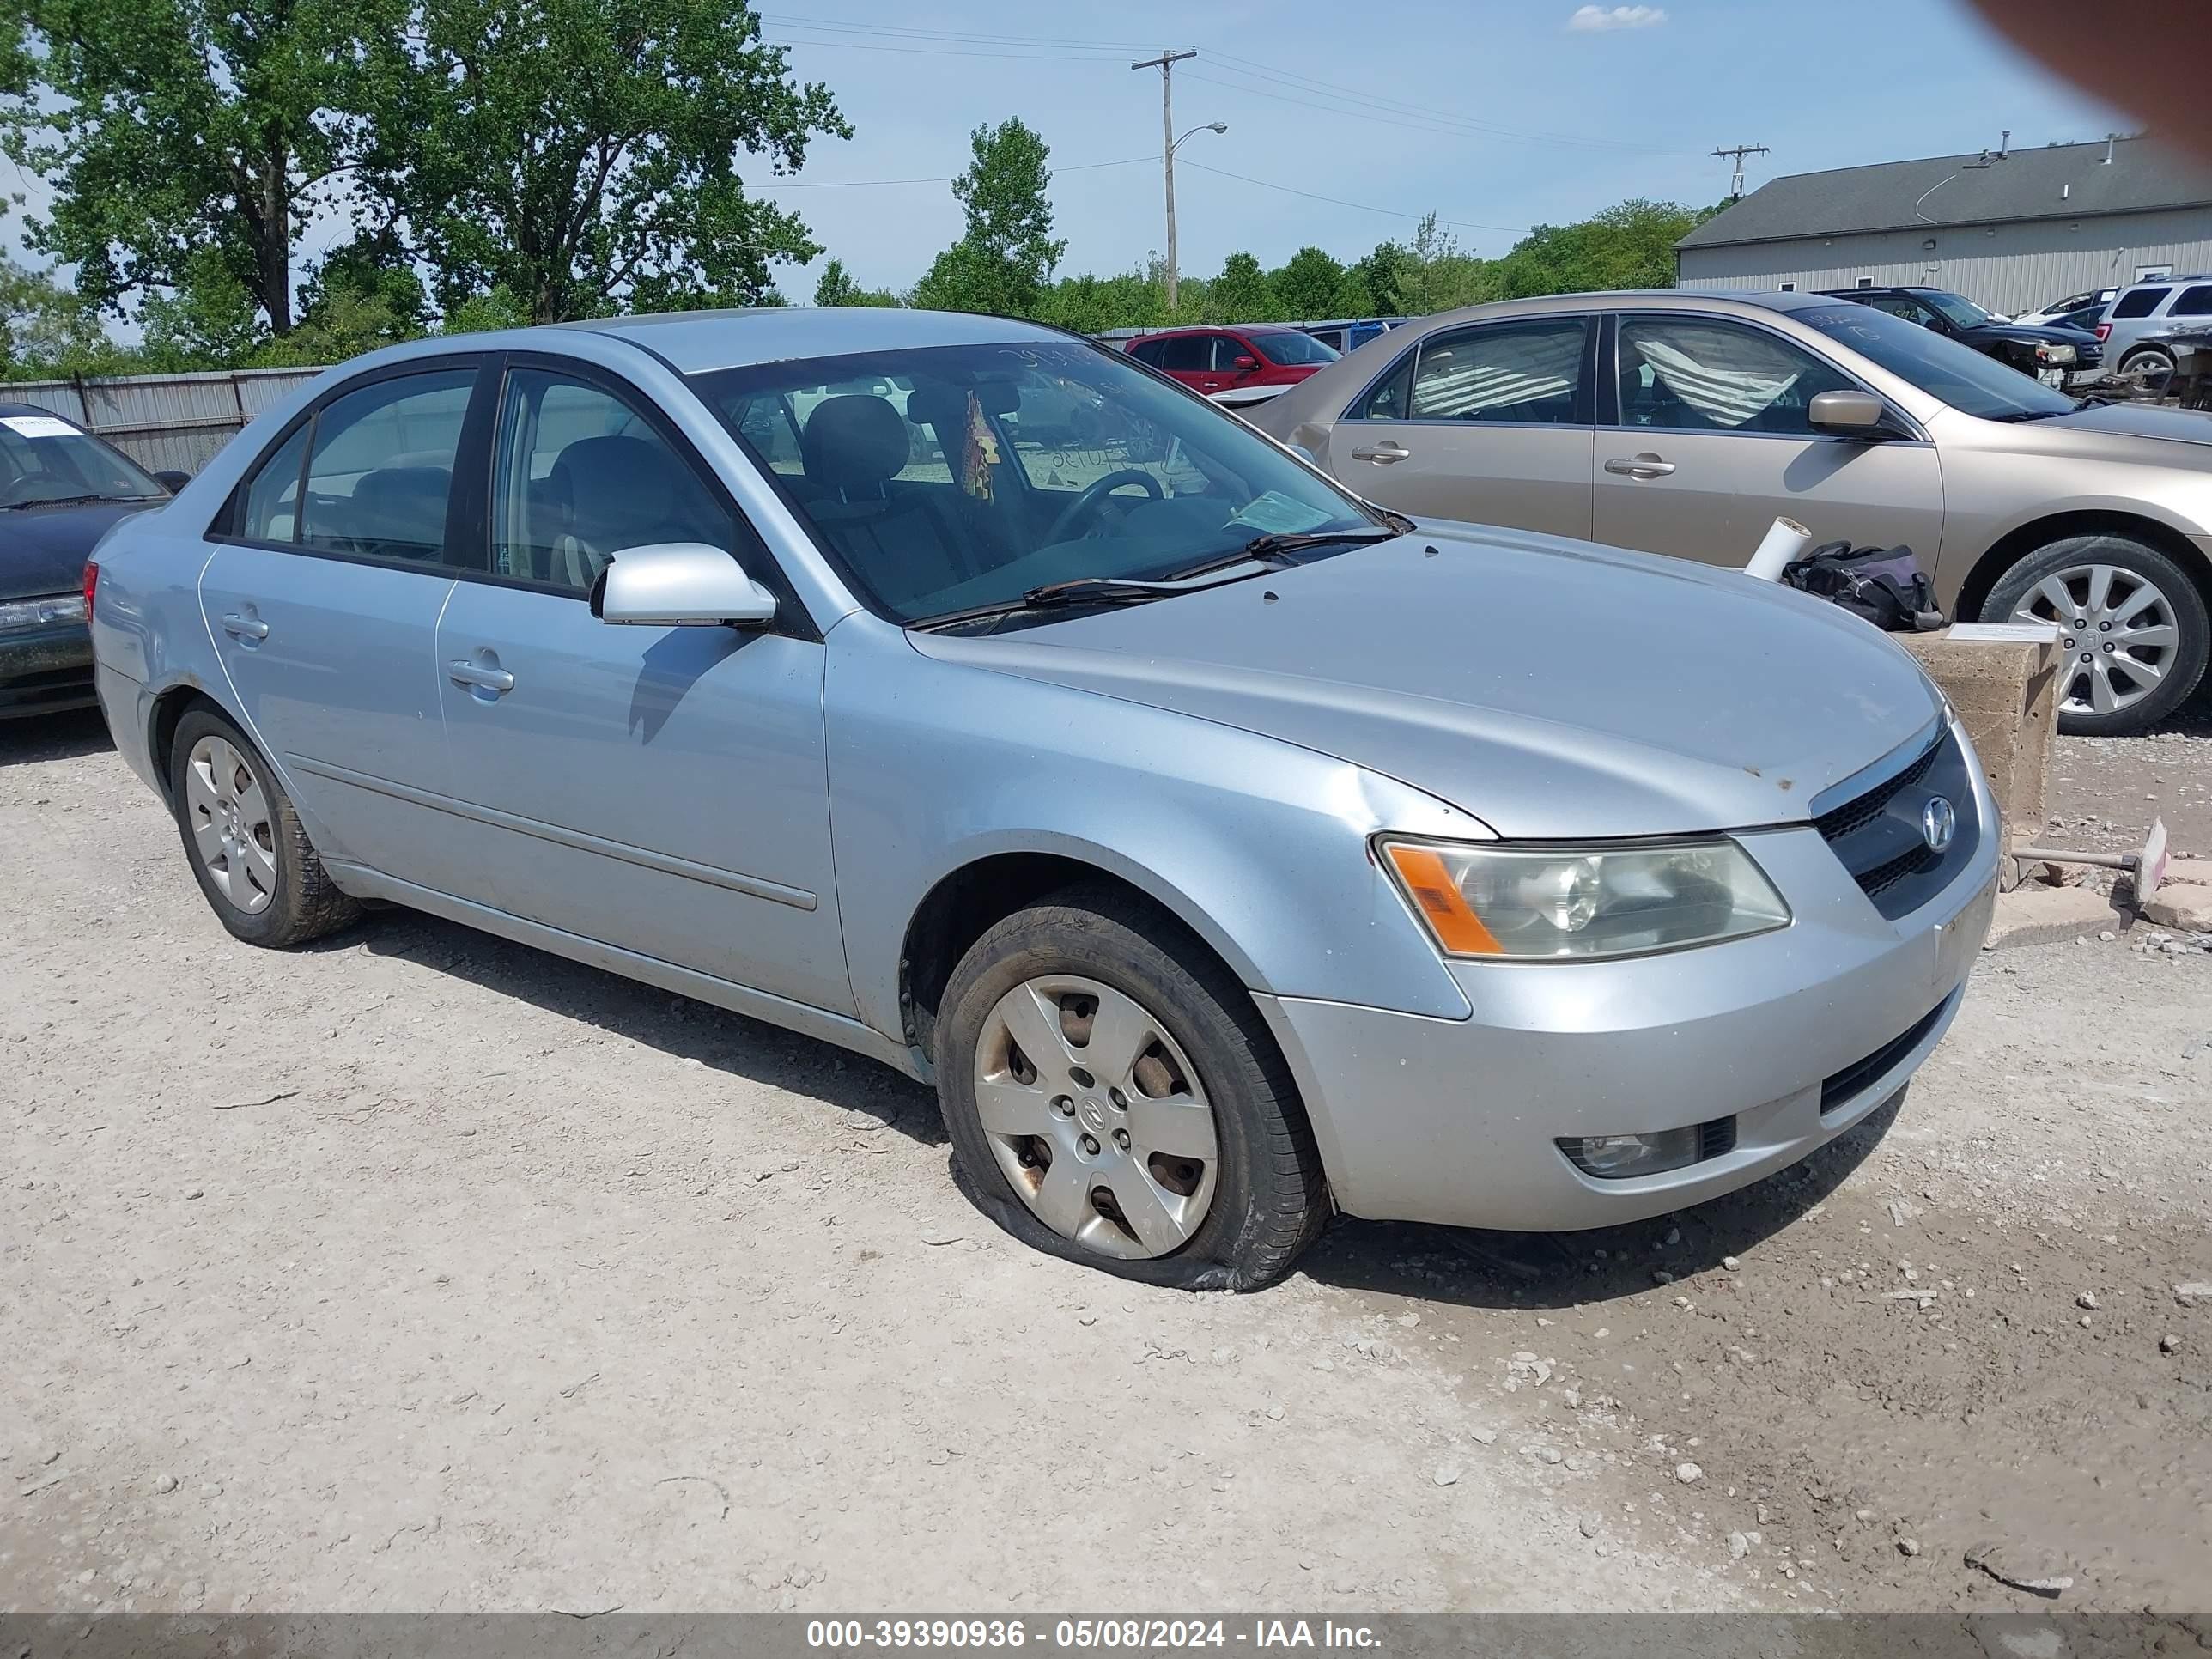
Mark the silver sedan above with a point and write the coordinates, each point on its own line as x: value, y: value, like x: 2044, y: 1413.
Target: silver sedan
x: 1228, y: 851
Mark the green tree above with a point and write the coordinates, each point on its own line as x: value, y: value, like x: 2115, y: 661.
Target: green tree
x: 837, y: 288
x: 208, y: 319
x: 1242, y: 292
x: 585, y: 155
x: 1434, y: 273
x: 171, y: 129
x: 1628, y: 245
x: 46, y: 330
x: 1004, y: 258
x: 1306, y: 287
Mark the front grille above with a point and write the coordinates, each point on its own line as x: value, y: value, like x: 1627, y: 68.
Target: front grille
x: 1846, y: 1085
x: 1877, y: 832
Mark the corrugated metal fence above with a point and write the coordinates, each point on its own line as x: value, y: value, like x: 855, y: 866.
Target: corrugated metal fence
x: 164, y: 422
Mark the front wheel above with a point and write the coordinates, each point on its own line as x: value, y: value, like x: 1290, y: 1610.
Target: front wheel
x: 2133, y: 633
x: 1113, y: 1097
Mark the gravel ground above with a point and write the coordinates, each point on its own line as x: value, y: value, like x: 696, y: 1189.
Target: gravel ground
x: 420, y: 1272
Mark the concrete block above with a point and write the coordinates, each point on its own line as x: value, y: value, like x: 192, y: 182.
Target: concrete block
x: 2183, y: 899
x: 2047, y: 915
x: 2005, y: 693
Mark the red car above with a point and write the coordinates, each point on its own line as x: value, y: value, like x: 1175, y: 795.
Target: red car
x: 1233, y: 359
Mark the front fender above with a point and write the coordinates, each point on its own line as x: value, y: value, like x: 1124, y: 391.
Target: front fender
x: 1260, y: 847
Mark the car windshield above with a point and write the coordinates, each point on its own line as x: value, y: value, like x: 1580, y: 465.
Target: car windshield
x: 1961, y: 376
x: 1957, y: 310
x: 44, y: 458
x: 1292, y: 347
x: 948, y: 479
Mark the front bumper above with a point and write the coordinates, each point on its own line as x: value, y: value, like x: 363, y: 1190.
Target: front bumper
x: 1793, y: 1036
x: 45, y: 670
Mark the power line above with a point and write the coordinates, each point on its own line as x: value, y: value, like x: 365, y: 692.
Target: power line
x: 790, y: 21
x: 1338, y: 201
x: 870, y: 184
x: 945, y: 51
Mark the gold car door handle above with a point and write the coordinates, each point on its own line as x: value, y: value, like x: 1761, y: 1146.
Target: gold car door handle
x: 1383, y: 453
x: 1646, y: 465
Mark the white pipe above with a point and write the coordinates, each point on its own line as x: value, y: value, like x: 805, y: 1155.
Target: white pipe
x: 1785, y: 539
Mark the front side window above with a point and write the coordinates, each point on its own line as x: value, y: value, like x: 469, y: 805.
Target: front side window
x: 380, y: 468
x: 44, y: 458
x: 947, y: 479
x: 2139, y: 301
x: 1961, y: 376
x: 1957, y: 309
x: 579, y: 475
x: 1293, y: 349
x: 1508, y: 372
x: 1701, y: 374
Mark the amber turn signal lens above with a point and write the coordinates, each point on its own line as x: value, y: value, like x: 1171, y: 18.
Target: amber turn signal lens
x: 1457, y: 928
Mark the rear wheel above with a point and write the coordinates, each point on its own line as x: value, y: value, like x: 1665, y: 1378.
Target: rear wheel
x: 1113, y: 1097
x: 2149, y: 361
x: 251, y: 858
x: 2132, y: 629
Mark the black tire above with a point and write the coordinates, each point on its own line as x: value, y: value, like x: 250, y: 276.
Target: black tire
x: 306, y: 904
x: 2182, y: 666
x: 2154, y: 359
x: 1270, y: 1198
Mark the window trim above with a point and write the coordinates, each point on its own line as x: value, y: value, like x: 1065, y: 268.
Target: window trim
x: 1588, y: 383
x: 1609, y: 383
x: 223, y: 528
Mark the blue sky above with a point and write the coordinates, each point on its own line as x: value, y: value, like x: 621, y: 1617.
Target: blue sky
x: 1496, y: 114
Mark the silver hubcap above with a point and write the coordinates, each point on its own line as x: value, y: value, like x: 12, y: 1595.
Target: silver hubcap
x: 2117, y: 632
x: 1095, y: 1116
x: 233, y: 833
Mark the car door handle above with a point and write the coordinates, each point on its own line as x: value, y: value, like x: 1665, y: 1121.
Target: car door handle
x: 244, y: 627
x: 1383, y: 453
x: 483, y: 677
x: 1646, y: 465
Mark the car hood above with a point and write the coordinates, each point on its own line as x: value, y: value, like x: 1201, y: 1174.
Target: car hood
x: 2104, y: 428
x: 2031, y: 334
x: 1552, y: 689
x: 43, y: 549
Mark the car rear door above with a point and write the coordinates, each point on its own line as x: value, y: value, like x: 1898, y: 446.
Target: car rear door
x: 1705, y: 441
x: 330, y: 565
x: 1493, y: 424
x: 663, y: 790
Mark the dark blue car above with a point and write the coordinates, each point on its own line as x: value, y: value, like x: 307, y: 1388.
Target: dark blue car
x: 60, y: 488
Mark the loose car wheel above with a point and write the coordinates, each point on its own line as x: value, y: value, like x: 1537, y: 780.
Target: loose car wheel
x: 1113, y: 1097
x: 250, y: 856
x: 2132, y: 629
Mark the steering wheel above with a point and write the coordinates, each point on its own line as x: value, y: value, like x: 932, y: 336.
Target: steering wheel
x: 17, y: 489
x: 1087, y: 504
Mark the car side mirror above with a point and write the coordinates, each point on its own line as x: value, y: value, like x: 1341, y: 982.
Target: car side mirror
x: 172, y: 481
x: 1245, y: 360
x: 680, y: 585
x: 1848, y: 414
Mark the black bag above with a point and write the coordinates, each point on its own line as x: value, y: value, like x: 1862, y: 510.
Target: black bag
x: 1884, y: 585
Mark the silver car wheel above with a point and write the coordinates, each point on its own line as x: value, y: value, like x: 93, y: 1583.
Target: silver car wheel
x: 1095, y: 1116
x: 234, y: 832
x: 2117, y: 630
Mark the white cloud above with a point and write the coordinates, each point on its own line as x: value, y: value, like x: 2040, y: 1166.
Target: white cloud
x: 1592, y: 19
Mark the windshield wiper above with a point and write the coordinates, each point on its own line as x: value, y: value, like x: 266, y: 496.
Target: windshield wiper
x: 74, y: 501
x: 1275, y: 547
x: 1078, y: 590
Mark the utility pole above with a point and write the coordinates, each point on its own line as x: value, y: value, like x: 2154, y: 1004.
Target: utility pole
x: 1165, y: 63
x: 1738, y: 152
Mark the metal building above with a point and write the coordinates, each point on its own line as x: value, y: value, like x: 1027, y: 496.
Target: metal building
x: 2013, y: 229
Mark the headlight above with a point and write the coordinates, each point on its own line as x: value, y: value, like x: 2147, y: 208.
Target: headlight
x: 1576, y: 903
x: 36, y: 613
x: 2055, y: 354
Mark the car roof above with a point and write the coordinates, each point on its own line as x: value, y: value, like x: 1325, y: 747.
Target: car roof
x: 7, y: 406
x: 1641, y: 299
x: 2165, y: 282
x: 696, y: 342
x: 1218, y: 328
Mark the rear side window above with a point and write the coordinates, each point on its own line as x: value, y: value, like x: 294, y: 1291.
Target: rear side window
x: 272, y: 512
x: 381, y: 468
x: 2139, y: 301
x: 1146, y: 351
x: 2192, y: 301
x: 1186, y: 351
x: 1515, y: 372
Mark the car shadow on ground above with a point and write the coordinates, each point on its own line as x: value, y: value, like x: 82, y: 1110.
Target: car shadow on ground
x: 1548, y: 1270
x: 68, y: 736
x: 675, y: 1025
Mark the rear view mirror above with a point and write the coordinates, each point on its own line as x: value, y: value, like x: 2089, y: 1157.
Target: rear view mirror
x: 1853, y: 414
x: 680, y: 585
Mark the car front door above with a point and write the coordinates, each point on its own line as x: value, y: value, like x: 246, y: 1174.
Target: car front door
x: 1492, y: 423
x: 331, y: 563
x: 1707, y: 441
x: 663, y: 790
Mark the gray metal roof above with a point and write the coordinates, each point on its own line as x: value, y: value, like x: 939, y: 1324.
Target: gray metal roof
x: 2060, y: 181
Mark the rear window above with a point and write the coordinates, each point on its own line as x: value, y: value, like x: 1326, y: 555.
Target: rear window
x: 2192, y: 302
x: 1292, y: 348
x: 2139, y: 301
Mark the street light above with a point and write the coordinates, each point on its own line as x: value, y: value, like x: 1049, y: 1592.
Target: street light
x: 1167, y: 161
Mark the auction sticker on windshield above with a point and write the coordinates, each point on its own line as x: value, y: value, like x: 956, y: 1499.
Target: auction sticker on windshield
x: 38, y: 426
x: 1278, y: 515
